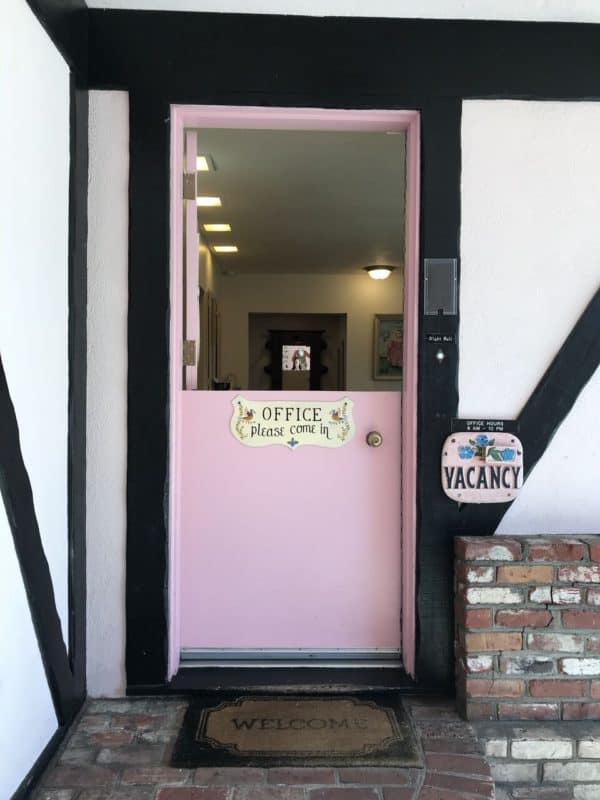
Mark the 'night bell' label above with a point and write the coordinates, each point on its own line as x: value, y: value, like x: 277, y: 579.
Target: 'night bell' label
x: 482, y: 467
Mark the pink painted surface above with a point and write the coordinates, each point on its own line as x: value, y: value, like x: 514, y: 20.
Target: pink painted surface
x: 176, y: 335
x: 409, y: 391
x: 300, y: 119
x: 286, y: 548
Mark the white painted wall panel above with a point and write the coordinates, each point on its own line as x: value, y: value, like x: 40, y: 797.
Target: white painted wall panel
x: 34, y: 218
x: 530, y: 250
x: 561, y: 494
x: 28, y: 719
x: 107, y: 390
x: 34, y: 206
x: 530, y: 263
x: 566, y: 10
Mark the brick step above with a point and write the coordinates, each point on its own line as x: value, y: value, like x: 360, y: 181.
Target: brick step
x: 559, y: 761
x: 118, y: 750
x: 528, y: 627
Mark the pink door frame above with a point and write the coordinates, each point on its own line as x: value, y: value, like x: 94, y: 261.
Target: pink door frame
x: 250, y: 117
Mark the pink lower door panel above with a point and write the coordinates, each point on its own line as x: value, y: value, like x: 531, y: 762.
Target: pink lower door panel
x: 289, y: 549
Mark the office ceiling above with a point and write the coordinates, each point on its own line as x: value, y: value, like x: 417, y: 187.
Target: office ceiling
x: 305, y: 201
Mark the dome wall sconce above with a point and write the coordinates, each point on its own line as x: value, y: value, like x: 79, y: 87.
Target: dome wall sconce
x: 379, y: 272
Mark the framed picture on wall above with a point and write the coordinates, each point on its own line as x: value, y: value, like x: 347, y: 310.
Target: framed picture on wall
x: 388, y: 342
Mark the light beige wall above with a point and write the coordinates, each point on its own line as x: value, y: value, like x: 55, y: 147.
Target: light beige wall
x: 358, y: 296
x: 208, y: 274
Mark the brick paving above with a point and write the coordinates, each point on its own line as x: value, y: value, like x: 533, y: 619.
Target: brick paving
x: 119, y: 750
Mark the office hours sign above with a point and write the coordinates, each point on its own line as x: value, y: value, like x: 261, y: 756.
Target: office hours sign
x: 292, y: 423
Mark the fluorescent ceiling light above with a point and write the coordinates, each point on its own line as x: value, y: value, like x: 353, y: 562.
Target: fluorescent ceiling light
x: 225, y: 248
x: 208, y: 202
x: 379, y: 272
x: 204, y: 164
x: 217, y: 227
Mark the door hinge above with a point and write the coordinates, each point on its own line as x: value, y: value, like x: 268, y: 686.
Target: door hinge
x: 189, y: 352
x: 189, y: 185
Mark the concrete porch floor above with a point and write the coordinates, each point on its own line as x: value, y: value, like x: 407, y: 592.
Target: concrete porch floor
x: 119, y: 750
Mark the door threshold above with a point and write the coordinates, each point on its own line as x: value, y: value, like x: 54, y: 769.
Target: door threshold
x: 305, y: 679
x: 352, y: 657
x: 291, y: 663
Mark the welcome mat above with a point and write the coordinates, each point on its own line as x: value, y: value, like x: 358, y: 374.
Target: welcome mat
x: 367, y: 729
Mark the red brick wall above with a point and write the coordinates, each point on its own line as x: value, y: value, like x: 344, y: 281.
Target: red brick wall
x: 528, y: 627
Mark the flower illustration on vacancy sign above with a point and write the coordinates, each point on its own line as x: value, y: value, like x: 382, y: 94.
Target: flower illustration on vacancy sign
x: 483, y: 447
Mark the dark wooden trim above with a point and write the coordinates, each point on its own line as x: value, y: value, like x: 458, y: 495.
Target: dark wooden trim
x: 77, y: 382
x: 428, y: 65
x: 66, y: 23
x: 15, y: 488
x: 438, y: 395
x: 322, y: 57
x: 146, y: 553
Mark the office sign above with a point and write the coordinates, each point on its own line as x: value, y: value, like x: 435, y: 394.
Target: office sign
x: 292, y: 423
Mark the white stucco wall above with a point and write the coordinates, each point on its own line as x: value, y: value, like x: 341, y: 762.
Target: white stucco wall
x: 108, y: 216
x: 530, y: 263
x: 566, y: 10
x: 571, y: 460
x: 28, y: 719
x: 34, y: 208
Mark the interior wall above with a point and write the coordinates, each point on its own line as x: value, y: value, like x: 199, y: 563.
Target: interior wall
x: 34, y: 219
x: 530, y: 263
x: 108, y: 215
x: 208, y: 275
x: 208, y: 281
x: 357, y: 296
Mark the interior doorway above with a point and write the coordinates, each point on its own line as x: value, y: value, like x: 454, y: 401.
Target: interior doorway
x: 314, y: 356
x: 281, y: 552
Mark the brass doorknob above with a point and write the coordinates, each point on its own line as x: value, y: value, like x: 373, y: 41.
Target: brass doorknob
x: 374, y: 439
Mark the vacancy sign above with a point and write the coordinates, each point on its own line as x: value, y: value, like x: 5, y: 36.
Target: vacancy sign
x: 482, y: 467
